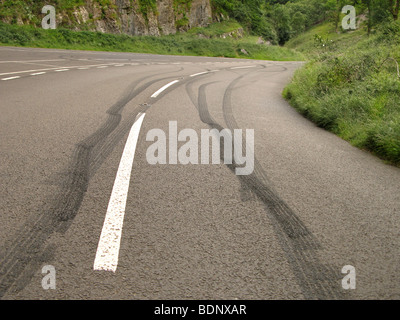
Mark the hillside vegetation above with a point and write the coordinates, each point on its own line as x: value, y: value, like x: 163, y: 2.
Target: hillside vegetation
x: 351, y: 86
x: 178, y: 44
x: 276, y: 21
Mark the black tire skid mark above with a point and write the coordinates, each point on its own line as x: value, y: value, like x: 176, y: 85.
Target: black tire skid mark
x: 317, y: 281
x: 21, y: 259
x: 76, y: 173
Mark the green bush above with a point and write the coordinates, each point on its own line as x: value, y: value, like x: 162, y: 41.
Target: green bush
x: 355, y: 91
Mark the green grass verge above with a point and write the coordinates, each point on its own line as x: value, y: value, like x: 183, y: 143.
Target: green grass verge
x: 351, y: 87
x: 178, y: 44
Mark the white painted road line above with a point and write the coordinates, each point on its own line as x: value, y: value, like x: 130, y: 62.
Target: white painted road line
x: 110, y: 239
x: 198, y: 74
x: 155, y: 94
x: 55, y: 68
x: 245, y: 67
x: 61, y: 70
x: 37, y: 73
x: 31, y: 61
x: 102, y: 67
x: 10, y: 78
x: 114, y: 59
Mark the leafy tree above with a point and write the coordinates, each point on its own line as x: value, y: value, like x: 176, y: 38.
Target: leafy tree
x: 282, y: 22
x: 381, y: 11
x: 298, y: 24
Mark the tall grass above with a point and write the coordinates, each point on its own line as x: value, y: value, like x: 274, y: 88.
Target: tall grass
x: 351, y: 87
x: 178, y: 44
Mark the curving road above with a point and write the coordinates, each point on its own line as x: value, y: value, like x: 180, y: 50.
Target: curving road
x: 78, y: 192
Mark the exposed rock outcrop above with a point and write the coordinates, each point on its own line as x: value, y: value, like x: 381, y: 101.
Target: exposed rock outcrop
x: 126, y: 16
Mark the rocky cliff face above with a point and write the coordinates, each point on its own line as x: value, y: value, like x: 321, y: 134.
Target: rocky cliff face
x: 133, y: 18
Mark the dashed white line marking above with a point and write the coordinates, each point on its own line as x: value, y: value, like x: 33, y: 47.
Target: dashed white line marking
x: 37, y: 73
x: 114, y: 59
x: 61, y: 70
x: 110, y: 239
x: 155, y: 94
x: 102, y: 67
x: 31, y: 61
x: 55, y: 68
x: 198, y: 74
x: 10, y: 78
x: 245, y: 67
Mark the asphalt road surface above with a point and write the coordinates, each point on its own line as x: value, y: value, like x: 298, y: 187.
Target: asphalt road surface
x: 73, y: 167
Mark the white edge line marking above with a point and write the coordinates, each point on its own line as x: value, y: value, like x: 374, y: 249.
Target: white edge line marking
x: 27, y: 61
x: 110, y: 239
x: 10, y: 78
x: 155, y: 94
x: 59, y: 67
